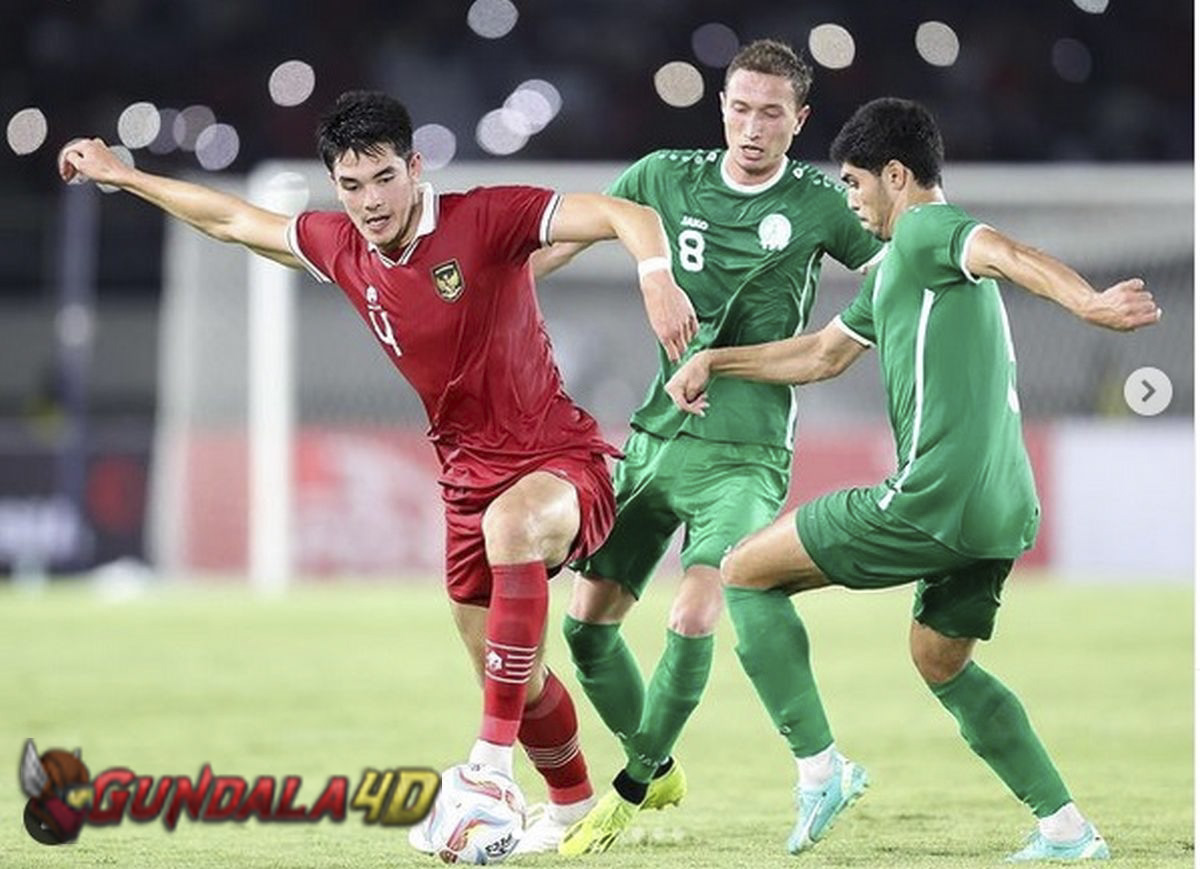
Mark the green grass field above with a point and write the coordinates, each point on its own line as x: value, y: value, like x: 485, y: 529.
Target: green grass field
x: 334, y: 679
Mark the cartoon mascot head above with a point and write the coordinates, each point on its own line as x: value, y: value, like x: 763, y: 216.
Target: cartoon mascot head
x: 59, y: 791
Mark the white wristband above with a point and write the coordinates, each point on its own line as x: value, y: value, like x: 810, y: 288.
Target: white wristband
x: 653, y: 264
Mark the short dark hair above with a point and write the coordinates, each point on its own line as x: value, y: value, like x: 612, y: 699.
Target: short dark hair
x: 772, y: 57
x: 892, y: 129
x: 363, y: 122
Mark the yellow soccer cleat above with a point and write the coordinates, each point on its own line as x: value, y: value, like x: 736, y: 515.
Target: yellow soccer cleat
x: 600, y: 827
x: 668, y: 790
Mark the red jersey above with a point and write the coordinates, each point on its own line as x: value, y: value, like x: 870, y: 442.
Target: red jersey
x: 456, y: 313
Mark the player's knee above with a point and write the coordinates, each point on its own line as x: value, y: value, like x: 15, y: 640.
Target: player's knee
x: 589, y: 643
x: 509, y: 534
x: 697, y: 615
x: 579, y: 644
x: 937, y: 666
x: 734, y: 567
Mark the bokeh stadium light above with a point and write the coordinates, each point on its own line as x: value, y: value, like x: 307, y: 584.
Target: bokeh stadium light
x: 190, y: 123
x: 27, y: 130
x: 937, y: 43
x: 164, y: 142
x: 679, y: 84
x: 1072, y: 60
x: 502, y: 132
x: 139, y: 125
x: 715, y: 44
x: 291, y: 83
x: 831, y: 45
x: 492, y: 19
x: 217, y: 146
x: 436, y: 144
x: 537, y: 102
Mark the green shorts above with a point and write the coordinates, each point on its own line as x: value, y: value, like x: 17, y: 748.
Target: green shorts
x: 860, y: 546
x: 719, y: 492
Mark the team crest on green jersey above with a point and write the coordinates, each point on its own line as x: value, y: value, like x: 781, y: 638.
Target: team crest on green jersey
x: 774, y: 232
x: 448, y: 280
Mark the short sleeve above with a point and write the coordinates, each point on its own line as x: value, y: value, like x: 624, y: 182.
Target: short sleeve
x: 960, y: 243
x: 316, y: 238
x: 934, y: 240
x: 858, y: 320
x: 632, y: 184
x: 515, y: 221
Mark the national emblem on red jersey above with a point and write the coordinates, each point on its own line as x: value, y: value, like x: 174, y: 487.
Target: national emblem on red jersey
x: 448, y: 280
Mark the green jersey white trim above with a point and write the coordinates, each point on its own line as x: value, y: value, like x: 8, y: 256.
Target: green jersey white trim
x: 966, y: 249
x: 949, y: 371
x: 751, y: 189
x: 837, y: 321
x: 919, y: 368
x: 749, y: 258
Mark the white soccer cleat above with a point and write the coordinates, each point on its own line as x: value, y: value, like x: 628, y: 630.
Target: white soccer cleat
x: 546, y: 824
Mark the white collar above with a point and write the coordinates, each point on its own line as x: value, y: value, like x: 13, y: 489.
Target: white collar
x: 426, y: 225
x: 751, y: 188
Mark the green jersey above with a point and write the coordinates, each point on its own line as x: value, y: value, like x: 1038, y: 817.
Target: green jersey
x: 949, y: 371
x: 749, y: 259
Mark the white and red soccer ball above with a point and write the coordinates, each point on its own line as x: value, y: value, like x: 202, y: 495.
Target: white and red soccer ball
x: 477, y: 817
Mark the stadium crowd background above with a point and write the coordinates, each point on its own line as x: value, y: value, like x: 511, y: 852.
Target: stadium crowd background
x: 232, y: 84
x: 1030, y: 80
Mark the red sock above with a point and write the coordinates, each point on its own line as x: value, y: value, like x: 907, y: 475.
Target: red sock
x: 516, y: 622
x: 550, y: 734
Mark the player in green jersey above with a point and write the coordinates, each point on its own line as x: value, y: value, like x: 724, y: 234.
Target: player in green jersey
x: 749, y: 228
x: 961, y: 505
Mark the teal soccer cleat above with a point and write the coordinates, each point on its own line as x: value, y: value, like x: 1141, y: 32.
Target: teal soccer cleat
x: 818, y: 808
x: 1089, y: 846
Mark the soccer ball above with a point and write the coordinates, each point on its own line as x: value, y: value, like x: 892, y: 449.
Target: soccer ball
x: 477, y: 817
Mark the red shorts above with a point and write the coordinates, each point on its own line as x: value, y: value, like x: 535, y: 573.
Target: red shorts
x: 468, y: 576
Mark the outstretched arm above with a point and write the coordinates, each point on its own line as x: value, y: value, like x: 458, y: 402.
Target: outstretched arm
x: 802, y: 359
x: 1124, y: 306
x: 588, y: 217
x: 546, y: 260
x: 216, y: 214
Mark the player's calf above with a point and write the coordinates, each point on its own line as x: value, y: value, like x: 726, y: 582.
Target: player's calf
x: 550, y: 734
x: 516, y: 622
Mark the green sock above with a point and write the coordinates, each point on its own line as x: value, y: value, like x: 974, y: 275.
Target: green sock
x: 993, y: 722
x: 608, y: 673
x: 675, y: 690
x: 773, y: 648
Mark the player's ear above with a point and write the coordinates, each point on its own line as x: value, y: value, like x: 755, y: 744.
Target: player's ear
x: 895, y: 174
x: 801, y: 117
x: 414, y: 166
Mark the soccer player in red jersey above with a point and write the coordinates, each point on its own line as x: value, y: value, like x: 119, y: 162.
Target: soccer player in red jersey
x: 444, y: 283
